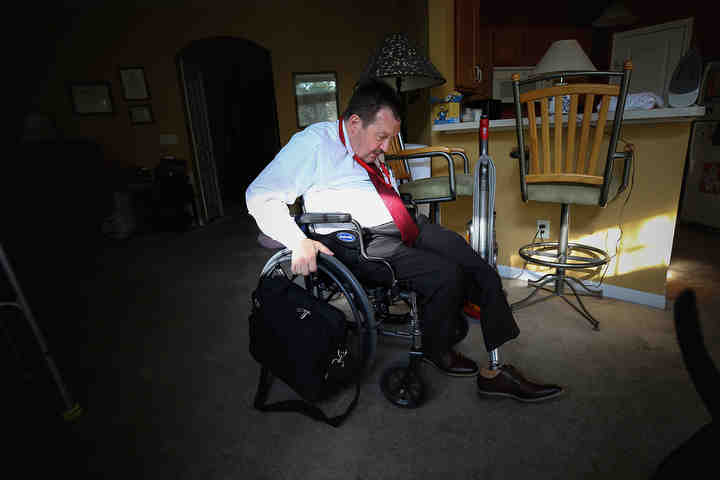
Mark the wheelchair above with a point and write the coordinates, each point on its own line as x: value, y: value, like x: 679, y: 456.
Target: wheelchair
x: 371, y: 310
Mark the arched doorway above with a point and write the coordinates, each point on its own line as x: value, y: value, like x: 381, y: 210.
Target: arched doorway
x: 231, y: 115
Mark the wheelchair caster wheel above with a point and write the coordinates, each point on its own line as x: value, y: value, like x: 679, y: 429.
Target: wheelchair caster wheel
x: 403, y: 386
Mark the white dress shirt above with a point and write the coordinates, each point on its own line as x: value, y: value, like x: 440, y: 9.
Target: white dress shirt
x: 316, y: 165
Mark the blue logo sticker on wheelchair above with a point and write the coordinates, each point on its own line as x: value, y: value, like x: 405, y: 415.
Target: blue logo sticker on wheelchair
x: 345, y: 237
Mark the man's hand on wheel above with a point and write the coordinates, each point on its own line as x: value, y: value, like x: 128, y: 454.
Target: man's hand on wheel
x: 304, y: 260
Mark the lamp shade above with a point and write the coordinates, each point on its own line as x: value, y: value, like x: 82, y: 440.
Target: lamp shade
x: 564, y: 55
x: 401, y: 64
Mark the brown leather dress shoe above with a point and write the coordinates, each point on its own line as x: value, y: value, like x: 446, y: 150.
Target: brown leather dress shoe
x: 510, y: 383
x: 454, y: 364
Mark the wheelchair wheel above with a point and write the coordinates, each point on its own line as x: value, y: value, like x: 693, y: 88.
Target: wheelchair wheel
x: 402, y: 385
x: 334, y: 283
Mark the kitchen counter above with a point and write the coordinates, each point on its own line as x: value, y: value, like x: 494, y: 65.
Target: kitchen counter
x: 645, y: 214
x: 656, y: 115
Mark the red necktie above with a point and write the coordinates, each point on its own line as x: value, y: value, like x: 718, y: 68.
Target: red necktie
x: 393, y: 202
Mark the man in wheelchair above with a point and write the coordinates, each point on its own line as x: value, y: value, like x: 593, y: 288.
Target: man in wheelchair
x: 339, y: 167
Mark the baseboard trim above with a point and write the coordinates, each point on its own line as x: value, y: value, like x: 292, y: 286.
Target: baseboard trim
x: 612, y: 291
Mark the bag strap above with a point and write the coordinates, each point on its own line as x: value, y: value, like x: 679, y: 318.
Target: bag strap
x: 300, y: 406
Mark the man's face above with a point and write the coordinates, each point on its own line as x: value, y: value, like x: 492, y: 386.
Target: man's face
x: 371, y: 140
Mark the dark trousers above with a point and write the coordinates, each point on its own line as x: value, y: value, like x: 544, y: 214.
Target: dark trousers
x: 445, y: 271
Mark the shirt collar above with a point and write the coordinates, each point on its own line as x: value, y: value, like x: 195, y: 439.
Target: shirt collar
x: 348, y: 145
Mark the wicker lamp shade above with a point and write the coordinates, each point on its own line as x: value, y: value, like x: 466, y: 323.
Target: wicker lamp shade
x: 401, y: 65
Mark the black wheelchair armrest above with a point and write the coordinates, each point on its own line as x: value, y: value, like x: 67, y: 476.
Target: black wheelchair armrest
x: 315, y: 218
x: 307, y: 218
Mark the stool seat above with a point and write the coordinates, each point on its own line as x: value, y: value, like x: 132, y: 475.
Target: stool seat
x: 437, y: 187
x: 578, y: 194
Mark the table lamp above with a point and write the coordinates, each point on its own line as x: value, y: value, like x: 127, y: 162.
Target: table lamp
x: 564, y: 55
x: 403, y: 66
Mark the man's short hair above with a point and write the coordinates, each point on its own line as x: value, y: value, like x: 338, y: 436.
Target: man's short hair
x: 369, y: 97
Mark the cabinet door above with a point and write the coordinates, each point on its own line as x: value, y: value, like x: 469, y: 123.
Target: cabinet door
x: 466, y: 47
x: 473, y: 49
x: 484, y: 61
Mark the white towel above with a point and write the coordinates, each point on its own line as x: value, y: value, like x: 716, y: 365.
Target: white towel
x: 634, y: 101
x: 639, y: 101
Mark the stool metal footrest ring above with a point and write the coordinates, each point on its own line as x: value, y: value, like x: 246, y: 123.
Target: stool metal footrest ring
x: 577, y: 255
x: 574, y: 256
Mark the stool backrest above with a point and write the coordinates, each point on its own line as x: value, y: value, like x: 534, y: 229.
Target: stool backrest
x: 572, y: 154
x: 567, y: 160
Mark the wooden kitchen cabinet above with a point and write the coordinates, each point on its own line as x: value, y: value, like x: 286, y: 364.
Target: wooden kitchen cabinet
x: 481, y: 45
x: 473, y: 49
x: 525, y: 45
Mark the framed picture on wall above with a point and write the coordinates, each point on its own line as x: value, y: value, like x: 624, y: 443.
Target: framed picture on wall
x: 91, y: 98
x: 316, y: 97
x: 134, y: 84
x: 140, y: 114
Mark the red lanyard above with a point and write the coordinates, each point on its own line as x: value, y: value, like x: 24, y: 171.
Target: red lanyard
x: 370, y: 170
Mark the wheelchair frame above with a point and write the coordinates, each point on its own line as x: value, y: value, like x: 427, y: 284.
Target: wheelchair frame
x: 400, y: 382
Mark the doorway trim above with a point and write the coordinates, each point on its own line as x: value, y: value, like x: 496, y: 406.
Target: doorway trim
x: 208, y: 192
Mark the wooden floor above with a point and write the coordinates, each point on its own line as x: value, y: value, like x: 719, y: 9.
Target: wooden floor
x: 695, y: 262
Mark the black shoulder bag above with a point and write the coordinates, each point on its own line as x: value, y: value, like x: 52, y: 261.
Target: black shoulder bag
x: 302, y: 340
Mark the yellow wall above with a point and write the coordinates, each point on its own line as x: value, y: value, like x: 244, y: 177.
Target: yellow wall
x: 312, y: 35
x: 648, y: 218
x: 318, y: 35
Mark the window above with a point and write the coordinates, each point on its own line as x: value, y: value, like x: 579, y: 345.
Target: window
x: 316, y: 97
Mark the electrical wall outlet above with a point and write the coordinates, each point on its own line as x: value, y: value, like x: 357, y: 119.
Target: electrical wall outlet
x: 543, y: 227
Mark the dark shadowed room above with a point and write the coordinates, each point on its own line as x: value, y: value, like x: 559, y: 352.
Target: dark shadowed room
x: 170, y: 160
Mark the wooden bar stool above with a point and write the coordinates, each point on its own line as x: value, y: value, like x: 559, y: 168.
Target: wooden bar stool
x: 568, y: 169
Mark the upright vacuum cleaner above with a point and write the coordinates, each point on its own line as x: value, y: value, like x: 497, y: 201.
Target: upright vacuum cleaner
x: 481, y: 229
x: 482, y: 225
